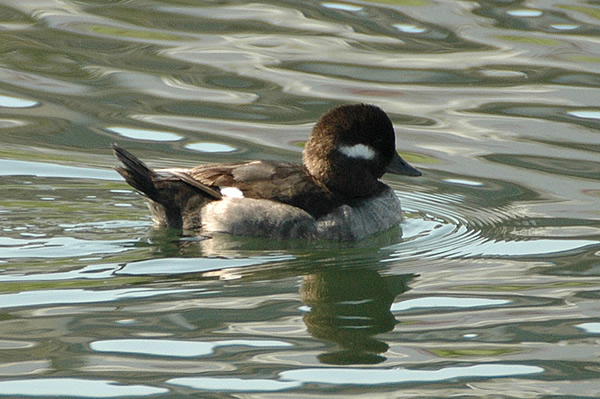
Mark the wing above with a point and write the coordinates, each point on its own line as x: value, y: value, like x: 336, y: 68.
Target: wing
x: 278, y: 181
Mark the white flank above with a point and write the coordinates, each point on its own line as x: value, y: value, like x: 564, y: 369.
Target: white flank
x: 231, y: 192
x: 357, y: 151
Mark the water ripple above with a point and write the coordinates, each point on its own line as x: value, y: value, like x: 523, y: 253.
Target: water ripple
x: 177, y: 348
x: 489, y: 286
x: 442, y: 226
x: 39, y: 298
x: 355, y: 376
x: 76, y: 387
x: 58, y: 247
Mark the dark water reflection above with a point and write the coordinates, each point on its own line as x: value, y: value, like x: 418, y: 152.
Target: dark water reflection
x: 489, y: 288
x: 350, y: 307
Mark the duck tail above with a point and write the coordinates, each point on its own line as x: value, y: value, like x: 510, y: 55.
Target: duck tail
x: 136, y: 173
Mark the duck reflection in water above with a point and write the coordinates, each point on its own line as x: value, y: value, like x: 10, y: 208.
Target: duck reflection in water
x: 349, y: 307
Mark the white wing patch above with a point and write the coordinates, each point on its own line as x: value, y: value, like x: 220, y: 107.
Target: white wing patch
x: 361, y: 151
x: 231, y: 192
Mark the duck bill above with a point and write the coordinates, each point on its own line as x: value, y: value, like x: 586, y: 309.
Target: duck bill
x: 399, y: 166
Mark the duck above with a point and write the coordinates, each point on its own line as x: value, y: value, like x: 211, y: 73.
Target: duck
x: 335, y: 194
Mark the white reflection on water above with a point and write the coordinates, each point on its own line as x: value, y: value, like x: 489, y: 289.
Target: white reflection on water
x: 75, y: 387
x: 342, y: 6
x: 564, y: 26
x: 525, y: 13
x: 591, y: 328
x: 9, y: 167
x: 356, y: 376
x: 233, y: 384
x: 78, y: 296
x: 177, y: 348
x: 14, y: 102
x: 590, y: 114
x: 210, y: 147
x: 144, y: 134
x: 464, y: 182
x: 58, y: 247
x: 100, y: 271
x: 176, y: 265
x: 409, y: 28
x: 353, y: 376
x: 446, y: 302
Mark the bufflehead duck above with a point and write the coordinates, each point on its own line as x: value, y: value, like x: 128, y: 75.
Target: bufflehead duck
x: 335, y: 195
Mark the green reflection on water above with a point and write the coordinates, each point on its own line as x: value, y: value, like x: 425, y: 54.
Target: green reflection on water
x: 530, y: 40
x: 590, y: 11
x: 131, y: 33
x: 474, y: 352
x: 23, y: 286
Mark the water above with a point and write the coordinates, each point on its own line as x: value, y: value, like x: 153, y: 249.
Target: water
x: 488, y: 289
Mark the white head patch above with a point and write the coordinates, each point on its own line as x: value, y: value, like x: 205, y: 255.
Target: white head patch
x: 231, y: 192
x: 361, y: 151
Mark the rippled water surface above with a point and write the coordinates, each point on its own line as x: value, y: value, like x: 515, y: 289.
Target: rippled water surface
x: 489, y: 288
